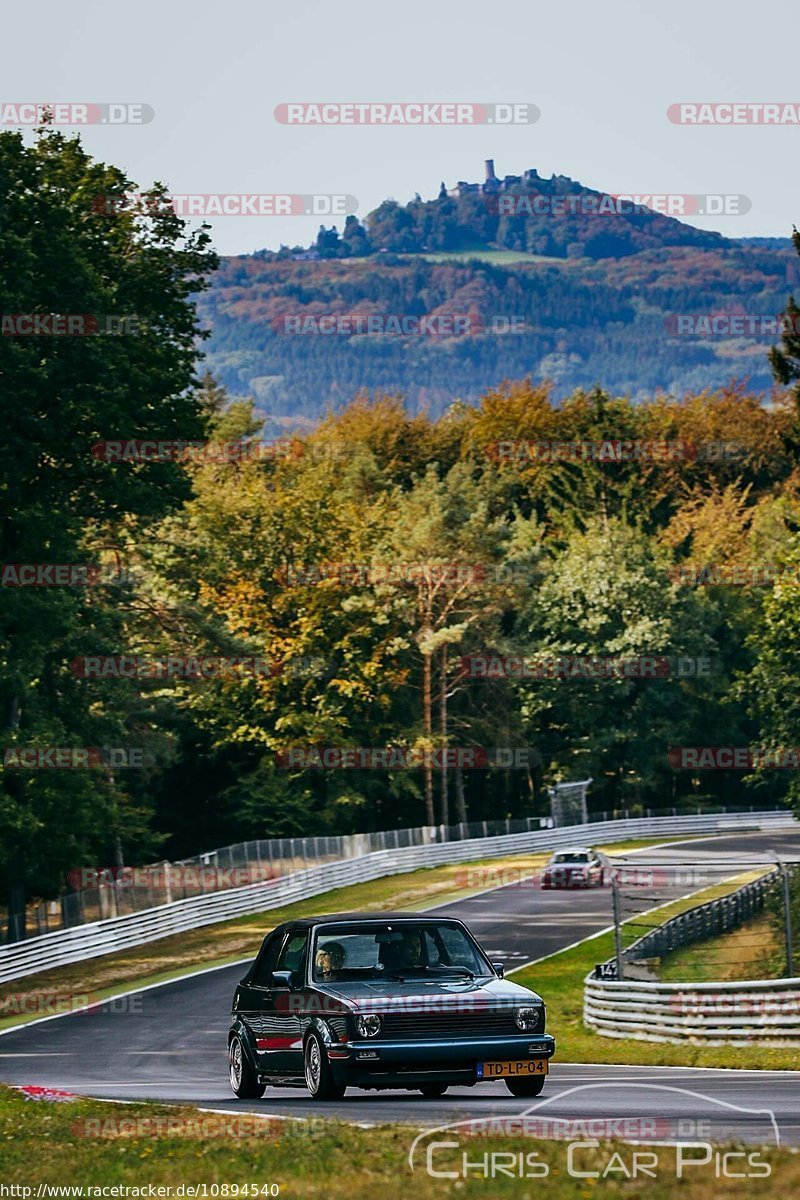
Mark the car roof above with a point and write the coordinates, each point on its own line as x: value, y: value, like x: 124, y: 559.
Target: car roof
x: 353, y: 918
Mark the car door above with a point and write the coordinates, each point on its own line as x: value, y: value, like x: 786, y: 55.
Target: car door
x: 280, y: 1043
x: 255, y: 1001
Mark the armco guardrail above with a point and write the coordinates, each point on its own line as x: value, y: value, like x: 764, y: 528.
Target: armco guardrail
x: 705, y: 920
x: 102, y: 894
x: 766, y: 1010
x: 120, y: 933
x: 98, y: 895
x: 714, y: 1012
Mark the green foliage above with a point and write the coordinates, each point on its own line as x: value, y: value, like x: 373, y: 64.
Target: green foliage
x: 58, y: 396
x: 364, y: 566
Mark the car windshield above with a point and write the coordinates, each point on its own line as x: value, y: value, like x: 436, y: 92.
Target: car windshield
x: 396, y: 950
x: 569, y: 856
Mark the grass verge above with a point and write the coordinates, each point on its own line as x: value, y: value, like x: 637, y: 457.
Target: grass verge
x: 78, y: 1144
x: 752, y: 951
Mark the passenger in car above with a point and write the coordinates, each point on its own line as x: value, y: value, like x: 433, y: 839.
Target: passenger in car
x: 330, y: 961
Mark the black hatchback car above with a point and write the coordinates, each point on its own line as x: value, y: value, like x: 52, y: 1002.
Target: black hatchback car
x: 391, y: 1000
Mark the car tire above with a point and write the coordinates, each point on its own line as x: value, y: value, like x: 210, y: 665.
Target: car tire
x: 319, y: 1077
x: 433, y: 1091
x: 243, y: 1078
x: 526, y: 1087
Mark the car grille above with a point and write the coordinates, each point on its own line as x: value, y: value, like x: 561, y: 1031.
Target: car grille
x: 425, y: 1025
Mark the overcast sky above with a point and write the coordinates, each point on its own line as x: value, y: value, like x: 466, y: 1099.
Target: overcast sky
x: 603, y: 76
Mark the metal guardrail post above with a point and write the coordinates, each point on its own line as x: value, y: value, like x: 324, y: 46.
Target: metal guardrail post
x: 617, y: 929
x: 787, y: 916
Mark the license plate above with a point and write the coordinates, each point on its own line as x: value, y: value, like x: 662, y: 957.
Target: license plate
x: 513, y: 1068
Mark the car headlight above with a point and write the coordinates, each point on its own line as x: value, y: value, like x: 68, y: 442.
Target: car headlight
x: 528, y: 1019
x: 368, y: 1024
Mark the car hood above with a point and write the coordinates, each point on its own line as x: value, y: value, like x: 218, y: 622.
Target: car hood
x: 457, y: 994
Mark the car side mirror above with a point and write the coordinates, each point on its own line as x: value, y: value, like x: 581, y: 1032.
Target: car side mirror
x: 500, y: 969
x: 283, y: 979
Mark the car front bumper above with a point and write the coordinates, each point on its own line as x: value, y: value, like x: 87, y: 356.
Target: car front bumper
x: 565, y: 881
x: 370, y: 1063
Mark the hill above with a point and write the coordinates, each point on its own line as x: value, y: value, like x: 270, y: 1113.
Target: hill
x: 445, y: 298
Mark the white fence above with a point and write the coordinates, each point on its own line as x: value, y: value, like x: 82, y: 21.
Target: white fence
x: 767, y: 1011
x: 121, y: 933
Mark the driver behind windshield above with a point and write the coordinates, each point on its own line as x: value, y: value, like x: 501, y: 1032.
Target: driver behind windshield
x: 405, y: 954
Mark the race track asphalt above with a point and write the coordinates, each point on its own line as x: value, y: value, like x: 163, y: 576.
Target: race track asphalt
x: 168, y: 1043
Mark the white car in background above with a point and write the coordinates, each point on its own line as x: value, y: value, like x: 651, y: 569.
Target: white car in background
x: 575, y: 866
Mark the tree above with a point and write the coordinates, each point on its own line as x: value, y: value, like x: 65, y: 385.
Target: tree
x: 785, y: 359
x: 447, y: 539
x: 354, y: 238
x: 65, y: 250
x: 607, y: 596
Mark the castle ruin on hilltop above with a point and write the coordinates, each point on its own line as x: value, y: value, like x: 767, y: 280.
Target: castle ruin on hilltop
x: 492, y: 185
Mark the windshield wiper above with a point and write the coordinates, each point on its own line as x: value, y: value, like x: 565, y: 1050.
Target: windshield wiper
x: 450, y: 967
x: 430, y: 967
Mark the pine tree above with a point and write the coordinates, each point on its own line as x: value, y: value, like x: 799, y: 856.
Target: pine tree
x: 785, y: 359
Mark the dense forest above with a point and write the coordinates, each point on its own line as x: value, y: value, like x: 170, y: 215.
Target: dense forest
x: 569, y: 295
x: 573, y: 324
x: 351, y: 578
